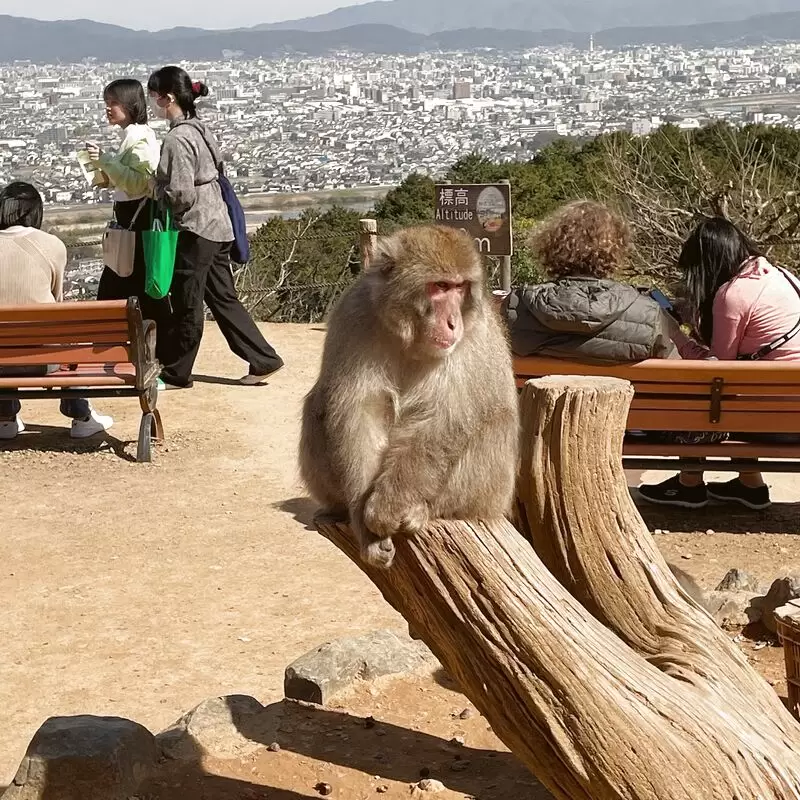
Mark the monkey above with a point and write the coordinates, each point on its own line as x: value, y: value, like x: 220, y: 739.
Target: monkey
x: 414, y: 415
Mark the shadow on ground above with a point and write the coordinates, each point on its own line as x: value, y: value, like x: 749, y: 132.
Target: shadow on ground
x: 781, y: 518
x: 329, y: 742
x: 302, y: 509
x: 56, y: 439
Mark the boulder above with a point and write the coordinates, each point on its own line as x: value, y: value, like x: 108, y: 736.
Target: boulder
x: 325, y: 671
x: 733, y: 610
x: 217, y: 727
x: 85, y: 758
x: 782, y: 591
x: 739, y: 580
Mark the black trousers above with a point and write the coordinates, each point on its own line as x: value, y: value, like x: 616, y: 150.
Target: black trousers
x: 203, y: 273
x: 112, y: 287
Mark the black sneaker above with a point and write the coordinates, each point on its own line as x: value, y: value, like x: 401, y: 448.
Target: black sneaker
x: 736, y: 492
x: 673, y: 493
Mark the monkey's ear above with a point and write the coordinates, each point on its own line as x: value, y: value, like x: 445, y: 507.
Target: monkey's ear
x: 384, y: 254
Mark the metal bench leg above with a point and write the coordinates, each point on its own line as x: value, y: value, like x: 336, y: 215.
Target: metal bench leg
x: 144, y: 449
x: 158, y: 427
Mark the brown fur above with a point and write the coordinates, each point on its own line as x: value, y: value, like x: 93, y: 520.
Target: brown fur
x: 395, y: 434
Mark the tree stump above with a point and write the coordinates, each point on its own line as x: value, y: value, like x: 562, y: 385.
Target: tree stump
x: 604, y: 678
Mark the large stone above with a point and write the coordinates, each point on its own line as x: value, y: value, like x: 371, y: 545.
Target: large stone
x: 85, y: 758
x: 733, y: 610
x: 221, y: 727
x: 326, y: 671
x: 739, y: 580
x: 780, y: 593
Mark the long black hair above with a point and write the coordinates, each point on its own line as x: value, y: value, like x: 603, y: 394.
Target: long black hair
x: 176, y: 81
x: 130, y: 95
x: 714, y: 254
x: 20, y: 204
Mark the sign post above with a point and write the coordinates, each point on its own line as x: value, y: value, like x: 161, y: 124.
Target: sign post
x: 483, y: 210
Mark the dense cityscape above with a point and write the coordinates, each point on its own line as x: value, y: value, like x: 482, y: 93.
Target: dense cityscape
x: 351, y: 120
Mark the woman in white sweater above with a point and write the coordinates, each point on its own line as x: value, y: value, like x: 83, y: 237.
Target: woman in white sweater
x: 129, y: 171
x: 32, y: 266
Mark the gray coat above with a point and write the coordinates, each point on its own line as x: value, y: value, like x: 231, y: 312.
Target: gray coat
x: 590, y: 320
x: 187, y: 180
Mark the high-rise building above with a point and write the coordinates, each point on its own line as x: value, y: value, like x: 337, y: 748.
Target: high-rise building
x: 462, y: 90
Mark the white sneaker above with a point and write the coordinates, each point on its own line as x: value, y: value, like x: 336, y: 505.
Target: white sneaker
x: 10, y: 428
x: 83, y: 428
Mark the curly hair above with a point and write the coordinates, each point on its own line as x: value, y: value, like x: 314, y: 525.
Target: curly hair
x: 582, y: 238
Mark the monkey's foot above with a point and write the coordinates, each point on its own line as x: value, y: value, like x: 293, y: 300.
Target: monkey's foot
x: 379, y: 553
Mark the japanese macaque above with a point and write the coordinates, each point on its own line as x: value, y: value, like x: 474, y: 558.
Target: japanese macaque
x: 414, y: 416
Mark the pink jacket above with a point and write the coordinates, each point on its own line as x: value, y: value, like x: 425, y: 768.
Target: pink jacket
x: 754, y: 309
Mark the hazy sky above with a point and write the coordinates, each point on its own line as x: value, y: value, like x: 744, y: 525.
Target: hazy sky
x: 156, y: 14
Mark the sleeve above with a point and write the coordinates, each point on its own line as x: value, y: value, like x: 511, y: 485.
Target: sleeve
x: 688, y: 348
x: 663, y: 345
x: 730, y: 312
x: 176, y: 174
x: 128, y: 171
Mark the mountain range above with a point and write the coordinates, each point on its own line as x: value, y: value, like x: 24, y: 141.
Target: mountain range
x: 35, y: 40
x: 433, y: 16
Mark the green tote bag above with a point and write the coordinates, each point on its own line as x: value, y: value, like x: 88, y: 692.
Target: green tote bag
x: 160, y: 243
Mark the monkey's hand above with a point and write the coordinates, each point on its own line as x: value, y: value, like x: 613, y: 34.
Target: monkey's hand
x: 388, y: 511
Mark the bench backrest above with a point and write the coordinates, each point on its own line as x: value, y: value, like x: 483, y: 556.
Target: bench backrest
x: 675, y: 395
x: 70, y: 333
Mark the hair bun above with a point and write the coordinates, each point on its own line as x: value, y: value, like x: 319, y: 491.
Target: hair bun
x: 199, y: 89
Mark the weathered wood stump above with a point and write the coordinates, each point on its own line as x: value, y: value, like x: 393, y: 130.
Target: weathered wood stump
x: 585, y: 656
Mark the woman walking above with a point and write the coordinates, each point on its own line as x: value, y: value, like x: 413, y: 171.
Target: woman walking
x: 130, y: 171
x: 186, y: 180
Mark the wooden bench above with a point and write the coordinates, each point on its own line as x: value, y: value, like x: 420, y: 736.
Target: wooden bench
x: 761, y: 397
x: 102, y: 349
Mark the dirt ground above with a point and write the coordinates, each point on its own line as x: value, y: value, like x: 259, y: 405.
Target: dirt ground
x: 141, y: 590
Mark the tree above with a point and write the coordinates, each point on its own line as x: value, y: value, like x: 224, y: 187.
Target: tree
x: 586, y: 657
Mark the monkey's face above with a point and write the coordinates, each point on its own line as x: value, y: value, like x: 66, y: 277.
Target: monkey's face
x: 443, y: 325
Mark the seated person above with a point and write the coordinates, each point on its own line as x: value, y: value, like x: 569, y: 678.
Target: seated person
x: 583, y: 313
x: 32, y: 266
x: 745, y: 309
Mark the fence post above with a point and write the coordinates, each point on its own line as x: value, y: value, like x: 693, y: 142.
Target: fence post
x: 367, y: 240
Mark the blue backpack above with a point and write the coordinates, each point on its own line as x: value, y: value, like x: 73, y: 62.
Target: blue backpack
x: 240, y: 249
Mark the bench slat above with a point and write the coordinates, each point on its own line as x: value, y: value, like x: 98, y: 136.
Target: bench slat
x: 11, y: 332
x: 742, y: 404
x: 82, y: 311
x: 9, y: 344
x: 744, y: 421
x: 669, y: 371
x: 85, y: 375
x: 69, y: 354
x: 721, y: 450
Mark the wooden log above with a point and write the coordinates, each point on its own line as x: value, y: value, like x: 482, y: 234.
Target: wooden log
x: 579, y: 706
x: 368, y: 238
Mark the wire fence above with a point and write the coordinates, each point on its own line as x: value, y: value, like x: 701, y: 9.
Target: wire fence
x: 289, y: 278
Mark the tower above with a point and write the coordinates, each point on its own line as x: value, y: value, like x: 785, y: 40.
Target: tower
x: 591, y: 43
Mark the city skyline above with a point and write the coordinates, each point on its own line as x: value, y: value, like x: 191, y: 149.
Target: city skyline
x: 153, y: 15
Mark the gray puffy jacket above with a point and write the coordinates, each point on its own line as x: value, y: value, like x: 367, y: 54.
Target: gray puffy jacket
x: 590, y: 320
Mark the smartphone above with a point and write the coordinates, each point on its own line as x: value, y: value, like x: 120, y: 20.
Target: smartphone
x: 664, y: 302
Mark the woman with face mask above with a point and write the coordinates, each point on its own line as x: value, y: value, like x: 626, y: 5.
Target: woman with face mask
x: 187, y: 181
x: 130, y: 172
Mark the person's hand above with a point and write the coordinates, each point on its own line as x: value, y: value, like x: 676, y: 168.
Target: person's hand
x: 94, y: 151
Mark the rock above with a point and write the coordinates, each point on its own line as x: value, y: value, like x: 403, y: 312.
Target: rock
x: 739, y: 580
x: 430, y: 785
x: 734, y: 609
x: 216, y: 728
x: 274, y: 748
x: 467, y: 713
x: 324, y: 789
x: 780, y: 593
x: 85, y: 758
x: 325, y: 671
